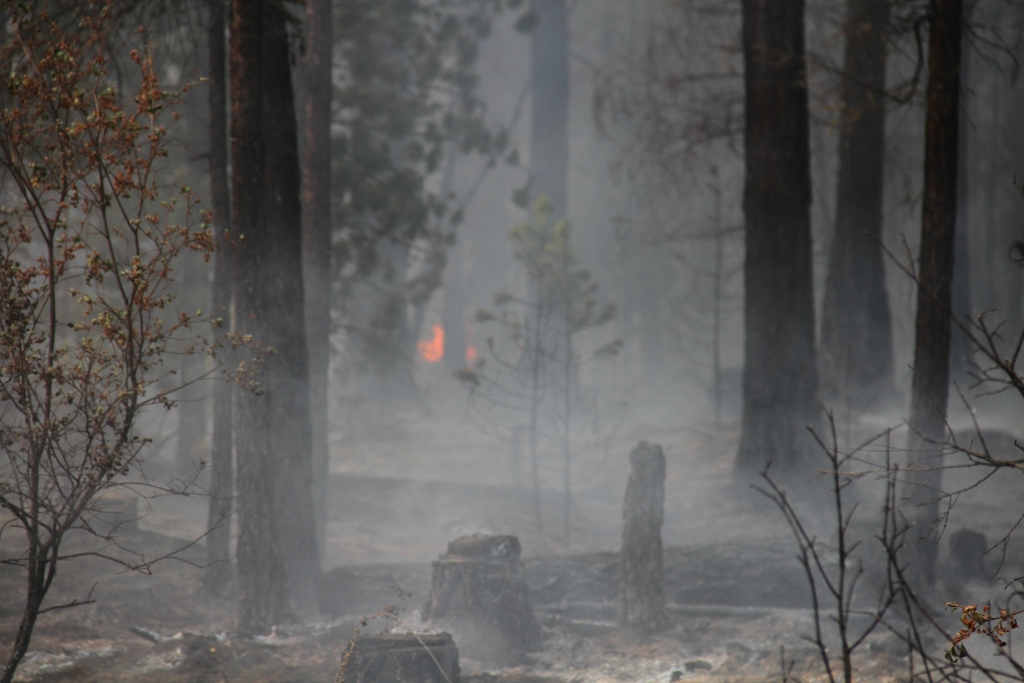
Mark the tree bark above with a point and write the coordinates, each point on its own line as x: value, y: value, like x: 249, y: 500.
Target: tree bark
x: 642, y: 606
x: 222, y: 473
x: 930, y: 393
x: 779, y: 374
x: 992, y: 252
x: 962, y: 297
x: 549, y: 74
x: 478, y: 593
x: 316, y: 241
x: 262, y: 593
x: 284, y: 325
x: 856, y: 325
x: 400, y: 658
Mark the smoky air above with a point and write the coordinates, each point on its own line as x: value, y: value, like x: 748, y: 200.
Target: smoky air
x: 511, y: 341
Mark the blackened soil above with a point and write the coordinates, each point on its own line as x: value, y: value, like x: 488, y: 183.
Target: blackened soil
x: 586, y: 586
x: 728, y: 574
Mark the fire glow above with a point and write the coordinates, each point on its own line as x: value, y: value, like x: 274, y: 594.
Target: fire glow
x: 432, y: 350
x: 470, y: 354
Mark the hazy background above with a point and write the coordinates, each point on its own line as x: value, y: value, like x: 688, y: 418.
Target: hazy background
x: 654, y: 175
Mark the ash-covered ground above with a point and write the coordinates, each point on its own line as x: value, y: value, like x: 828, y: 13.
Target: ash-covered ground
x: 403, y: 486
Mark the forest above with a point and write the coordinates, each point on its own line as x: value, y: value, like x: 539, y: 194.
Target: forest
x: 511, y: 341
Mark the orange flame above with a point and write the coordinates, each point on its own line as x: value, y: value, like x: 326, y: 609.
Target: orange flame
x: 470, y: 354
x: 432, y: 351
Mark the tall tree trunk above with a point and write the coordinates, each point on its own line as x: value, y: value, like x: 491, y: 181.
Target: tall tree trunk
x: 549, y: 74
x: 993, y: 254
x: 262, y: 592
x: 222, y: 472
x: 316, y: 240
x: 961, y: 297
x: 549, y: 176
x: 779, y: 375
x: 930, y: 392
x: 856, y: 325
x: 284, y: 325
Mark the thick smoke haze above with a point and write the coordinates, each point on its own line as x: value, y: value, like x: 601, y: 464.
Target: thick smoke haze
x: 545, y: 232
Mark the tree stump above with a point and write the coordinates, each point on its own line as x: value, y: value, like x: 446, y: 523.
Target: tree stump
x: 401, y: 658
x: 642, y: 606
x: 479, y: 594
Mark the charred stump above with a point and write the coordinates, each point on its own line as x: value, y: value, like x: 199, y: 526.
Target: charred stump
x: 401, y: 658
x: 642, y: 607
x: 478, y: 592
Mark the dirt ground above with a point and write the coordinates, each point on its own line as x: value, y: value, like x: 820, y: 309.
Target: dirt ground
x: 164, y: 628
x: 401, y: 488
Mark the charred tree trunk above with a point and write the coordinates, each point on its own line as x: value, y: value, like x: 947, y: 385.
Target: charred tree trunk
x: 222, y: 473
x: 478, y: 592
x: 930, y: 394
x: 779, y: 374
x: 642, y: 606
x: 992, y: 252
x: 961, y: 297
x: 316, y: 240
x: 549, y: 74
x: 856, y: 324
x: 284, y: 327
x: 262, y: 593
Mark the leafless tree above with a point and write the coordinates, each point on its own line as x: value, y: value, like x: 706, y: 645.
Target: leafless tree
x: 834, y: 572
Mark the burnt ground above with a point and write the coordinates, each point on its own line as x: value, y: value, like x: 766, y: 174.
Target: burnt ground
x: 164, y: 627
x: 737, y: 597
x: 733, y: 608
